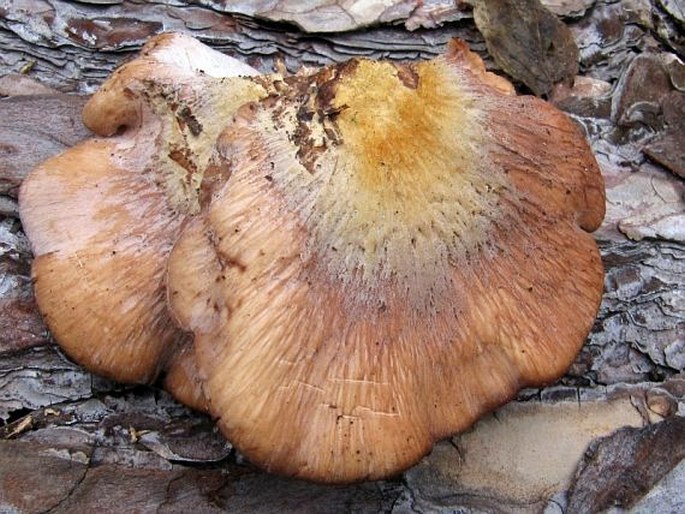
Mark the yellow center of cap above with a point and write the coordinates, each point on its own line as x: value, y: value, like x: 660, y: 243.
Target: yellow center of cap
x: 399, y: 131
x: 403, y: 189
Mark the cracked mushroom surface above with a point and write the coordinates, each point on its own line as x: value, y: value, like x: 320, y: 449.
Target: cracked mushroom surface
x: 398, y: 250
x: 102, y: 217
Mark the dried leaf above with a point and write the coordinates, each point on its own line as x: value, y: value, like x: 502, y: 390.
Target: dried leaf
x: 528, y: 42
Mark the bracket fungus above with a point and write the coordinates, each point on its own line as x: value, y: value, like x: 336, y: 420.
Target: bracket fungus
x: 103, y: 216
x: 372, y: 256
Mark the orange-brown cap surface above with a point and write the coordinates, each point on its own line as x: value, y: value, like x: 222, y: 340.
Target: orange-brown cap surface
x: 171, y: 61
x: 103, y: 216
x: 398, y: 250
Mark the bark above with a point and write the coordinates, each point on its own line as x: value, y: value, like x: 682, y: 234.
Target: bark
x: 76, y: 441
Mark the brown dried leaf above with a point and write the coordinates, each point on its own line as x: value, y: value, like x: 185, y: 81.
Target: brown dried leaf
x: 528, y: 42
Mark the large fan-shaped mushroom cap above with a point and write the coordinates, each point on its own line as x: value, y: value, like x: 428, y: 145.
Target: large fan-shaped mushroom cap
x: 398, y: 250
x: 103, y: 216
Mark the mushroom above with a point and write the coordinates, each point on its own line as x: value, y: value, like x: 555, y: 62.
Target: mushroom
x: 398, y: 250
x: 365, y: 259
x: 102, y: 217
